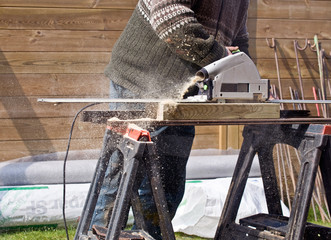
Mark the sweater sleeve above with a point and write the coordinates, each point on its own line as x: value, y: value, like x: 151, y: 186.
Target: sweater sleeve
x: 242, y: 37
x: 174, y: 22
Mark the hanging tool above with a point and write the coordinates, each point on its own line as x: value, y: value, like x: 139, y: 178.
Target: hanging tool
x: 274, y: 47
x: 321, y: 73
x: 296, y: 48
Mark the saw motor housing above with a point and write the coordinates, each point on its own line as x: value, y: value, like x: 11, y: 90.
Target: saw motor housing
x: 233, y: 77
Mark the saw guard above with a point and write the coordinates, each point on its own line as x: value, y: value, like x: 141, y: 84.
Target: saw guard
x: 235, y: 77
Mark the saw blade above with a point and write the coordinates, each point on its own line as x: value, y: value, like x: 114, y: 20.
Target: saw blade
x: 154, y: 100
x: 101, y: 100
x: 198, y: 98
x: 299, y: 101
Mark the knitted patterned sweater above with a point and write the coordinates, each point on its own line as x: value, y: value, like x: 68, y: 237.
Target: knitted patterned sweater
x: 167, y: 41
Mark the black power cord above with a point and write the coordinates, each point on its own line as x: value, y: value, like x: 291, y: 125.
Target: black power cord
x: 64, y: 166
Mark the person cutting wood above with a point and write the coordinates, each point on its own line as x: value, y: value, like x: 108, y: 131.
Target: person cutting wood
x: 163, y: 45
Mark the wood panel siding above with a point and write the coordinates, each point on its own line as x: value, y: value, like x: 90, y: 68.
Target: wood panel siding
x: 69, y: 41
x: 295, y: 9
x: 52, y: 84
x: 60, y: 49
x: 63, y: 18
x: 115, y: 4
x: 92, y: 62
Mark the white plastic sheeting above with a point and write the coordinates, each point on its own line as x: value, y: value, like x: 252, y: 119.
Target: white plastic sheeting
x: 198, y: 213
x: 48, y: 168
x: 45, y: 172
x: 40, y: 204
x: 203, y: 202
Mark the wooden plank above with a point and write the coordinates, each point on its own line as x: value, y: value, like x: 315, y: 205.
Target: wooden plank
x: 26, y: 131
x: 50, y: 135
x: 70, y: 4
x: 96, y: 85
x: 260, y: 8
x: 258, y: 48
x: 285, y: 28
x: 110, y: 19
x: 95, y: 62
x: 206, y: 130
x: 205, y: 141
x: 233, y: 137
x: 287, y: 68
x: 47, y: 128
x: 294, y: 84
x: 70, y: 41
x: 28, y: 107
x: 40, y: 24
x: 288, y: 9
x: 75, y: 85
x: 63, y: 18
x: 103, y: 41
x: 241, y: 138
x: 101, y: 117
x: 198, y: 111
x: 53, y: 62
x: 206, y: 137
x: 16, y: 149
x: 222, y: 138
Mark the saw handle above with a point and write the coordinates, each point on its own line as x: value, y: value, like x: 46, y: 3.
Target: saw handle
x: 209, y: 85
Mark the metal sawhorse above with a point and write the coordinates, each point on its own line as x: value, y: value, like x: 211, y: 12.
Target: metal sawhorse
x: 314, y: 145
x: 138, y: 151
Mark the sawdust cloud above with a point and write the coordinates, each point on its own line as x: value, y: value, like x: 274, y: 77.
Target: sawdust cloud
x: 191, y: 82
x: 170, y: 100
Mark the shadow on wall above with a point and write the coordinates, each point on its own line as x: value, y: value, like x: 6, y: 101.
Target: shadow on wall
x: 13, y: 101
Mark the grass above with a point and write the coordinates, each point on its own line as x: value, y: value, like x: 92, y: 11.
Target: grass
x: 40, y: 233
x: 53, y: 233
x: 311, y: 217
x: 57, y: 233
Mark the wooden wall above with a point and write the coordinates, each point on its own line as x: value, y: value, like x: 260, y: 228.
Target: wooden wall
x: 60, y: 48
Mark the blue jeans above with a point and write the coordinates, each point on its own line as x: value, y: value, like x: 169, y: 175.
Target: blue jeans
x: 172, y: 144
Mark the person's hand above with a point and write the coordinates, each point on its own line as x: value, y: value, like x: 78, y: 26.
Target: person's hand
x: 230, y: 49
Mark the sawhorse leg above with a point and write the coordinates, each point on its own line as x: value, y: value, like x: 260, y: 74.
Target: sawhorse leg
x: 250, y: 147
x: 325, y: 166
x: 93, y: 193
x: 136, y: 153
x: 314, y: 149
x: 260, y: 140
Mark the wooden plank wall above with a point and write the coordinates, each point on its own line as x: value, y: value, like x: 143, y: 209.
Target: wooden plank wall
x: 60, y: 48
